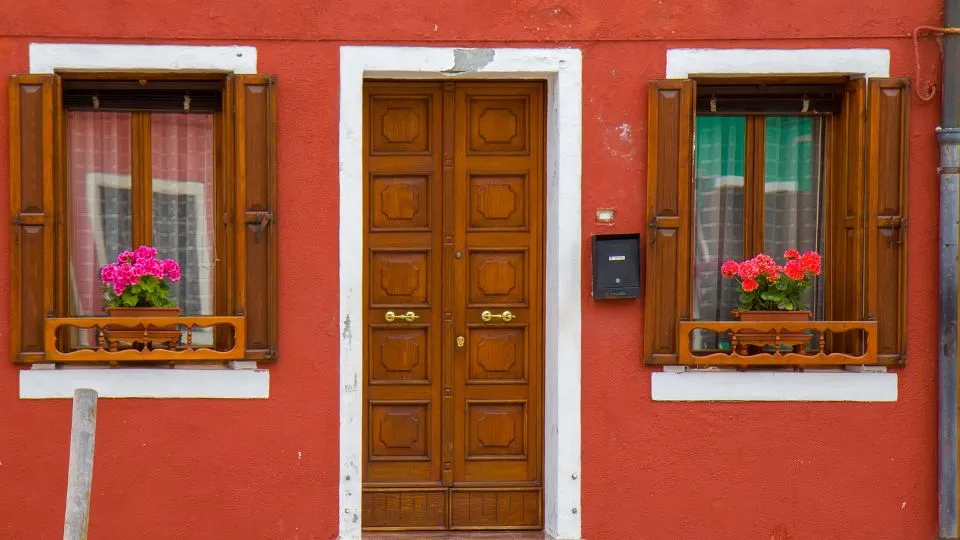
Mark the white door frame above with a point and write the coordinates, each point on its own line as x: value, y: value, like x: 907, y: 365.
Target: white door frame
x: 562, y: 69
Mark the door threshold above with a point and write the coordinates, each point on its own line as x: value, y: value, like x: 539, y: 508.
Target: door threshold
x: 457, y: 535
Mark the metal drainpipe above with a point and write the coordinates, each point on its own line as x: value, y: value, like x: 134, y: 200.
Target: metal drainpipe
x: 949, y: 148
x: 949, y: 137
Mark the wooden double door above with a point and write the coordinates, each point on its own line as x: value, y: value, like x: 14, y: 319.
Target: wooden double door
x: 453, y: 344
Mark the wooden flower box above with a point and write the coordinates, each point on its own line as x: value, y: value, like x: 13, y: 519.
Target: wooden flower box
x: 752, y: 340
x: 141, y: 336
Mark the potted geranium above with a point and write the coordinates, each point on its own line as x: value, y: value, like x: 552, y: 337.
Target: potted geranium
x: 135, y: 286
x: 770, y: 292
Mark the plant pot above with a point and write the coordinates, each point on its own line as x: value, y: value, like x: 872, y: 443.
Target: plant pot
x: 141, y: 337
x: 750, y: 341
x: 772, y: 315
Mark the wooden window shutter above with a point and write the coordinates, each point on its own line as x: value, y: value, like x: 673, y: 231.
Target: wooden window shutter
x: 32, y: 138
x: 670, y: 141
x: 844, y: 280
x: 256, y: 198
x: 886, y: 189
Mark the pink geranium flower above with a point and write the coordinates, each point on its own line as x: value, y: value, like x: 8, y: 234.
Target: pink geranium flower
x: 172, y: 269
x: 144, y: 253
x: 139, y: 267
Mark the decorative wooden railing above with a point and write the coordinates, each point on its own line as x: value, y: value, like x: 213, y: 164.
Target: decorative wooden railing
x: 780, y: 343
x: 143, y: 339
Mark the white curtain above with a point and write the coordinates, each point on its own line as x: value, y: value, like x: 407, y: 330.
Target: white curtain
x: 100, y: 220
x: 183, y: 191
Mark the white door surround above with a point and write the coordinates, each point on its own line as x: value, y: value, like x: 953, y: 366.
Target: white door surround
x: 562, y: 69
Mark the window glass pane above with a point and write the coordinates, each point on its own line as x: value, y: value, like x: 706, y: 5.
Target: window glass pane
x: 718, y: 219
x: 183, y: 191
x: 99, y: 207
x: 793, y: 184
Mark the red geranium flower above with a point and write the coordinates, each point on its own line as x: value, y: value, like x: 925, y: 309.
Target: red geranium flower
x: 749, y: 285
x: 791, y: 254
x: 764, y: 263
x: 811, y: 261
x: 794, y: 269
x: 748, y: 270
x: 729, y: 269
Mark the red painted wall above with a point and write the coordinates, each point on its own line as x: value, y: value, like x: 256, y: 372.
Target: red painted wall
x: 268, y: 469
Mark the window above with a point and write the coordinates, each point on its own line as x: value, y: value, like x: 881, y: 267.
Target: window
x: 106, y: 162
x: 176, y: 198
x: 740, y: 167
x: 758, y: 186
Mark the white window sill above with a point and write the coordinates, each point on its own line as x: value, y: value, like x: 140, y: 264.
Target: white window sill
x: 186, y: 382
x: 715, y: 385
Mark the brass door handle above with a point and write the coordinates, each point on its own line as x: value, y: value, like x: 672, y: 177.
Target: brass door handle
x: 506, y: 316
x: 408, y: 316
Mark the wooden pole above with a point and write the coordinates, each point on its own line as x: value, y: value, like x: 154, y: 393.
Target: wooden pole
x: 80, y: 475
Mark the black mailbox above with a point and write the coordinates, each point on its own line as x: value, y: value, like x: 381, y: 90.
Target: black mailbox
x: 616, y: 266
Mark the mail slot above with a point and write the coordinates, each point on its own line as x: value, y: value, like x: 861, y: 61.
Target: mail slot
x: 616, y: 266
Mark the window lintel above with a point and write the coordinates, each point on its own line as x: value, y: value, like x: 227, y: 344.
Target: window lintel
x: 143, y: 74
x: 773, y: 78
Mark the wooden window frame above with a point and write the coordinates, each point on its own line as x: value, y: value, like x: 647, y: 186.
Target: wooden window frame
x: 865, y: 204
x: 245, y: 238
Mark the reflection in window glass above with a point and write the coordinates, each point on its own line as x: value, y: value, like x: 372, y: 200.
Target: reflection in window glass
x: 793, y: 184
x: 718, y: 218
x: 183, y: 168
x: 100, y: 209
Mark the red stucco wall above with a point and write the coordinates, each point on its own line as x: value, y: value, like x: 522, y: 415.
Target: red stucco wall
x: 268, y: 469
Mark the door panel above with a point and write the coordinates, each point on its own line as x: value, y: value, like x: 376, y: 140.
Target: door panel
x: 496, y: 277
x: 498, y: 201
x: 403, y: 362
x: 405, y: 509
x: 399, y: 355
x: 497, y: 383
x: 400, y: 277
x: 497, y: 118
x: 490, y: 509
x: 403, y: 120
x: 399, y: 430
x: 454, y: 205
x: 400, y: 203
x: 497, y: 355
